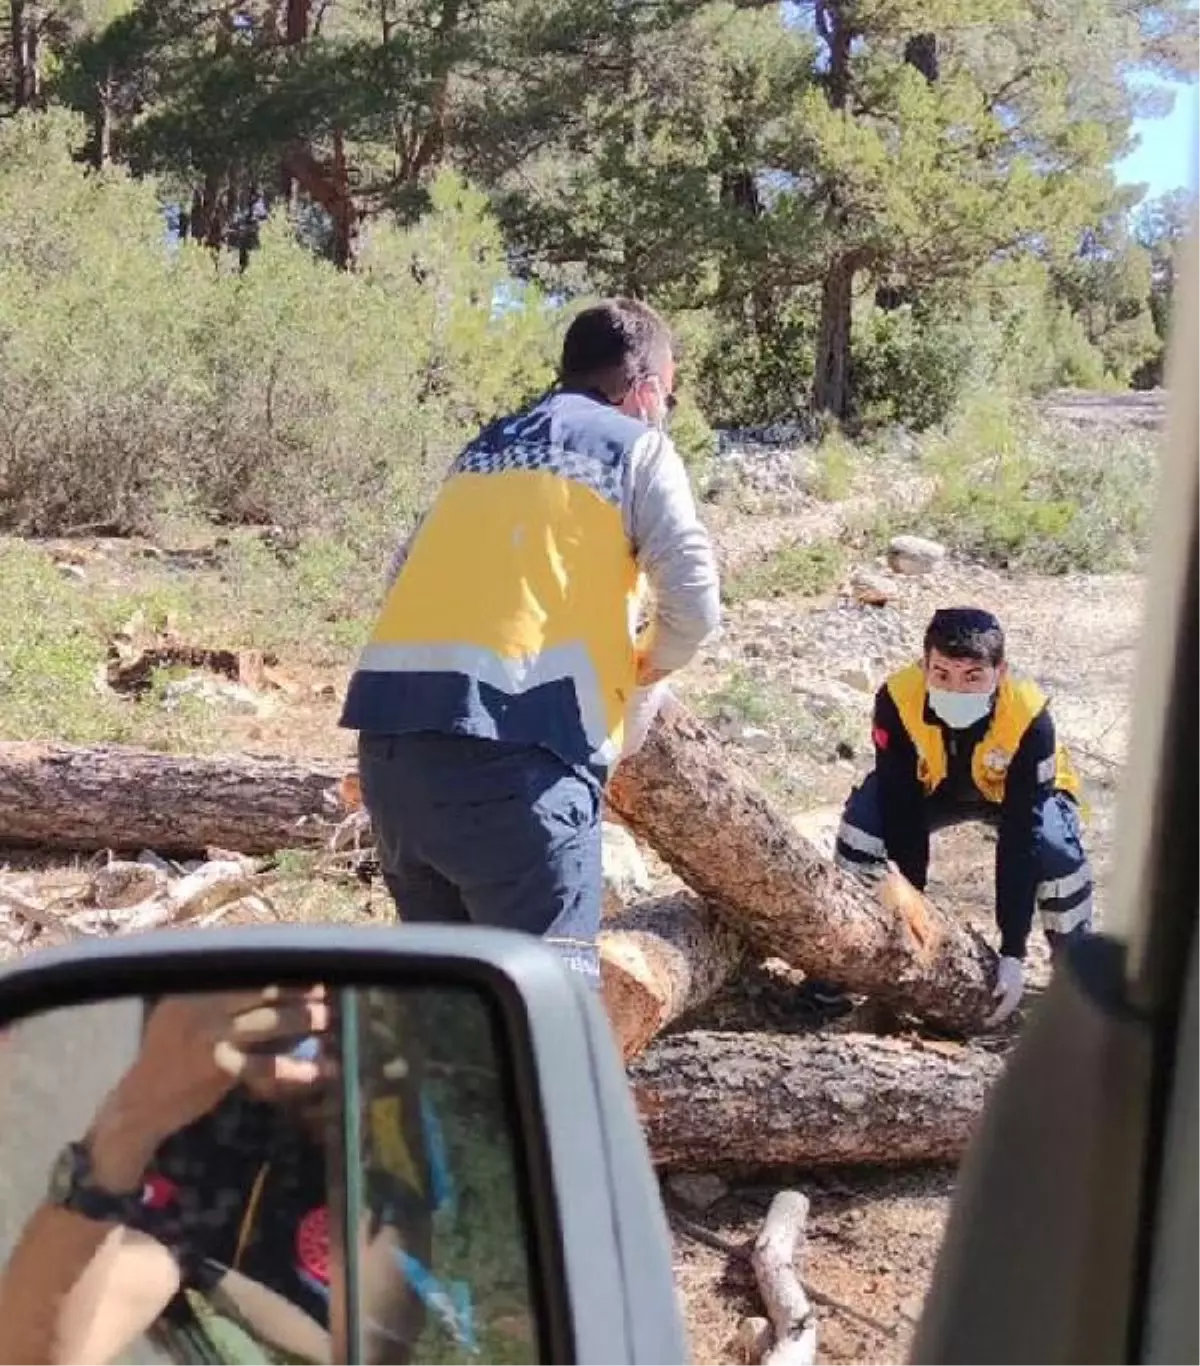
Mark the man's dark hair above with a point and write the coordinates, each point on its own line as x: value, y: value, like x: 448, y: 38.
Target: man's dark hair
x: 612, y: 345
x: 966, y: 633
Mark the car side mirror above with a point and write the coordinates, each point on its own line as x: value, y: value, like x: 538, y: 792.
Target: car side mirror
x: 296, y: 1142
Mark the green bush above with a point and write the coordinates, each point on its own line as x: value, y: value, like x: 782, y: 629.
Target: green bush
x: 693, y: 437
x: 909, y: 367
x: 836, y: 457
x: 1016, y: 490
x: 793, y: 569
x: 138, y: 377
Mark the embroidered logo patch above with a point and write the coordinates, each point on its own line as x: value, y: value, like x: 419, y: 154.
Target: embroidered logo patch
x: 997, y: 760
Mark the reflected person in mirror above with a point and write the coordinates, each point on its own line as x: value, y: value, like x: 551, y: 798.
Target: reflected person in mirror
x: 492, y: 698
x: 203, y: 1171
x: 959, y: 737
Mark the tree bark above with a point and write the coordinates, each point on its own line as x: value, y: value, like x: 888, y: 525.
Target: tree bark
x: 709, y: 821
x: 660, y: 959
x: 831, y: 382
x: 712, y: 1099
x: 115, y: 798
x: 831, y: 378
x: 25, y: 23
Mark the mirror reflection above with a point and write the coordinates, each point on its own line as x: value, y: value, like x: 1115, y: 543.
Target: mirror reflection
x: 291, y: 1173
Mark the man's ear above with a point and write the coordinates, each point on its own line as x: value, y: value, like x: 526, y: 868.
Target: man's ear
x: 1002, y: 671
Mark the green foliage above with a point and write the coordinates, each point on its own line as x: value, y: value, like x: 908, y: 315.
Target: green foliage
x: 136, y: 378
x: 835, y: 467
x: 792, y: 569
x: 757, y: 366
x: 1020, y: 492
x: 1161, y: 228
x: 759, y: 174
x: 741, y: 697
x: 909, y: 367
x: 693, y: 437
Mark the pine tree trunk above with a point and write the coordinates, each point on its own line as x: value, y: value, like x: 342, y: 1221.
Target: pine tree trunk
x: 711, y: 1099
x: 115, y: 798
x: 708, y: 820
x: 660, y: 959
x: 24, y: 43
x: 831, y: 381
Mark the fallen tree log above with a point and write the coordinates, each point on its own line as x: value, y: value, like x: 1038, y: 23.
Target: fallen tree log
x: 710, y: 1099
x: 710, y: 822
x: 659, y: 959
x: 110, y: 797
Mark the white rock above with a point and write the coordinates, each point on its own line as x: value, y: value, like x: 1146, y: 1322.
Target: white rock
x: 915, y: 555
x: 624, y: 869
x: 859, y: 677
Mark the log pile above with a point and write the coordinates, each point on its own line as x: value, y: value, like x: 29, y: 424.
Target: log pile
x: 748, y: 886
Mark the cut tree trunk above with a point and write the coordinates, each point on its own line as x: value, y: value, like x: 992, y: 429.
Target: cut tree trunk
x: 711, y: 1099
x: 659, y: 959
x: 116, y: 798
x: 707, y: 819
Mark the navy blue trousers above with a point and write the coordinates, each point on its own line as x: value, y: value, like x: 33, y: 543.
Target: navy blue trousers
x: 478, y: 832
x: 1064, y: 877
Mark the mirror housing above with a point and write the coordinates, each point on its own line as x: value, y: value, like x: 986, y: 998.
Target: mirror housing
x: 600, y: 1252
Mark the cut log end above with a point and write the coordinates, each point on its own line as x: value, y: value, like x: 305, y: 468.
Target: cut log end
x: 658, y: 960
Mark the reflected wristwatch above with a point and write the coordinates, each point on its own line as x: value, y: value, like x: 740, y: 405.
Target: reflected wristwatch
x: 73, y: 1186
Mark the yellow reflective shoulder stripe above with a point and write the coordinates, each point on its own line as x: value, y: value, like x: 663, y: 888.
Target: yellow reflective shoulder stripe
x: 908, y: 692
x: 1019, y: 702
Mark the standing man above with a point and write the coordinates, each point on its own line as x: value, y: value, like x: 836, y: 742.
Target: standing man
x: 492, y: 696
x: 959, y: 738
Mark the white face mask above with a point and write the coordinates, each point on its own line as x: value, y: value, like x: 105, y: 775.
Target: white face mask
x: 659, y: 423
x: 960, y: 710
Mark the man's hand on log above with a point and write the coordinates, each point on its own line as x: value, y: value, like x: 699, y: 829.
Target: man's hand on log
x: 1010, y: 987
x: 643, y: 707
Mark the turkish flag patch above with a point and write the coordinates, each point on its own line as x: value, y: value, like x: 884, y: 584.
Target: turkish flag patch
x: 881, y: 737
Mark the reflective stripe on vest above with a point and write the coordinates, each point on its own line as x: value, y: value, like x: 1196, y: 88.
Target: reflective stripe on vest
x: 1019, y: 702
x: 519, y: 589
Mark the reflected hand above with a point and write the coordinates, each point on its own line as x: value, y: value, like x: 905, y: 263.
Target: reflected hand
x: 195, y: 1049
x: 1010, y: 987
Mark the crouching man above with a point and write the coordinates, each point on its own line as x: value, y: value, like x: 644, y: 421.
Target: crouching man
x: 959, y: 738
